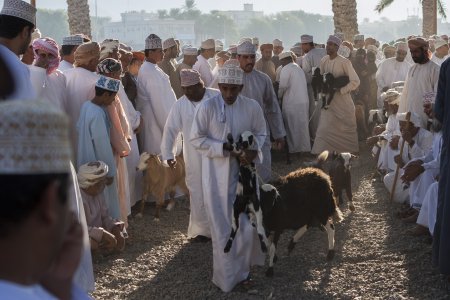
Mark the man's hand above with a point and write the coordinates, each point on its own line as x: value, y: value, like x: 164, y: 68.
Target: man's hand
x: 227, y: 146
x: 117, y: 232
x: 412, y: 171
x: 172, y: 163
x: 108, y: 241
x: 279, y: 143
x: 371, y: 141
x: 248, y: 156
x: 399, y: 161
x: 394, y: 142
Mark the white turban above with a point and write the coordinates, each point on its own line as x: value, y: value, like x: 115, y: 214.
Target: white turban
x: 91, y: 173
x: 415, y: 119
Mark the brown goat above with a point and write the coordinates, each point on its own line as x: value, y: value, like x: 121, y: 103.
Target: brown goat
x: 159, y: 180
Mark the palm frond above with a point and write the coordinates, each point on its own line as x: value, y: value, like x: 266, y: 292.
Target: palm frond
x: 382, y: 5
x: 442, y: 10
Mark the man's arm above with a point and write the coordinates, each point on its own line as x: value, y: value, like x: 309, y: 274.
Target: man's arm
x: 171, y: 130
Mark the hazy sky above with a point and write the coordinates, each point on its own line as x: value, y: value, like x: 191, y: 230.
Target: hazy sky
x: 399, y: 10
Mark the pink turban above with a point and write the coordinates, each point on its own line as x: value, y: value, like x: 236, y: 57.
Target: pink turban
x: 48, y: 45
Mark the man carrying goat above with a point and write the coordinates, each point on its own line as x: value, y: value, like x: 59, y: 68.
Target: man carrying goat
x: 214, y: 120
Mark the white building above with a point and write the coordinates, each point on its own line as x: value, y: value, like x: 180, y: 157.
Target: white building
x: 136, y: 26
x: 242, y: 17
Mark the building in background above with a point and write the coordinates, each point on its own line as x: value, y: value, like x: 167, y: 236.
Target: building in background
x: 242, y: 17
x: 136, y: 26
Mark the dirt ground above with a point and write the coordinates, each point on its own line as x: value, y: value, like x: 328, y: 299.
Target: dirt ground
x: 375, y: 256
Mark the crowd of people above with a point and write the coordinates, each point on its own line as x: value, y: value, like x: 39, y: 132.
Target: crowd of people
x: 88, y: 110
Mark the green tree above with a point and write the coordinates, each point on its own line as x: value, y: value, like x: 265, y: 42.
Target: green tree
x: 430, y: 8
x: 162, y: 13
x: 53, y: 23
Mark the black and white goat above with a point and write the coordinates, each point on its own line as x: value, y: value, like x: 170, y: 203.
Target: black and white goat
x: 302, y: 199
x: 324, y: 86
x: 338, y: 166
x: 247, y: 197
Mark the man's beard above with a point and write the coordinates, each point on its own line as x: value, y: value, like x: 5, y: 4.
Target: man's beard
x: 421, y: 59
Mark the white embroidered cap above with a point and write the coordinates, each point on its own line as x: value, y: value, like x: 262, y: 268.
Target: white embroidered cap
x: 153, y: 42
x: 402, y: 46
x: 439, y: 43
x: 285, y: 55
x: 168, y: 43
x: 218, y: 45
x: 277, y: 43
x: 208, y: 44
x: 107, y: 83
x: 189, y: 77
x: 34, y: 138
x: 72, y: 40
x: 246, y: 48
x: 415, y: 119
x: 19, y: 9
x: 335, y: 40
x: 344, y: 51
x: 189, y: 50
x: 230, y: 73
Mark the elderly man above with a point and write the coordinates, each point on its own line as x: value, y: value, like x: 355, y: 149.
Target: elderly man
x: 418, y: 142
x: 207, y: 51
x: 189, y: 59
x: 41, y: 222
x: 310, y: 61
x: 17, y: 22
x: 277, y: 50
x: 47, y: 81
x: 265, y: 63
x: 258, y: 86
x: 68, y: 47
x: 228, y: 113
x: 80, y: 83
x: 171, y: 51
x: 295, y: 103
x: 421, y: 81
x: 441, y: 51
x: 180, y: 121
x: 337, y: 125
x: 392, y: 70
x: 155, y: 96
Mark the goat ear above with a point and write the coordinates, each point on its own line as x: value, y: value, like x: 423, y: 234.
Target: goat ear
x: 250, y: 140
x: 354, y: 156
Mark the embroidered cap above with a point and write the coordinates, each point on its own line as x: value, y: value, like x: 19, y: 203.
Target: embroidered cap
x: 153, y: 42
x: 34, y: 138
x: 306, y: 39
x: 189, y: 77
x: 246, y: 48
x: 189, y: 50
x: 170, y: 42
x: 109, y: 84
x: 72, y: 40
x: 230, y: 73
x: 19, y: 9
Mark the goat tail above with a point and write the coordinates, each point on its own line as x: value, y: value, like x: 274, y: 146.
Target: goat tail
x: 338, y: 216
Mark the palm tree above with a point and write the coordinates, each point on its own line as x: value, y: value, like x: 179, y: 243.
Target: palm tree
x: 345, y: 18
x: 79, y: 19
x: 189, y: 5
x: 430, y: 8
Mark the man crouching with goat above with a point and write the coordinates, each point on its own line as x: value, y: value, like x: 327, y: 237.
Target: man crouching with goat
x: 227, y: 113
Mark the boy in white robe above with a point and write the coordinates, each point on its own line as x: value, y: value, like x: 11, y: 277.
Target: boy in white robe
x: 219, y: 116
x: 180, y: 121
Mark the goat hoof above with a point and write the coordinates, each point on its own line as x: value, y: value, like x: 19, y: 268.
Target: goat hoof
x: 351, y: 207
x: 170, y: 206
x: 139, y: 215
x: 269, y: 272
x: 330, y: 255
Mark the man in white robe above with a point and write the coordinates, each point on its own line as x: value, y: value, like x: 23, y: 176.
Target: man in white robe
x: 207, y: 51
x: 427, y: 215
x: 310, y: 61
x: 217, y: 117
x: 277, y: 50
x: 422, y: 80
x: 13, y: 13
x: 180, y: 121
x: 391, y: 70
x: 80, y: 83
x: 441, y: 52
x: 155, y: 96
x: 337, y: 125
x: 295, y: 104
x: 48, y: 82
x: 418, y: 142
x: 68, y: 48
x: 258, y: 86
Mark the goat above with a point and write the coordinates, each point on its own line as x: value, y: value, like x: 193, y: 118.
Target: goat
x: 337, y: 166
x: 330, y: 85
x: 376, y: 117
x: 300, y: 200
x: 247, y: 198
x: 160, y: 179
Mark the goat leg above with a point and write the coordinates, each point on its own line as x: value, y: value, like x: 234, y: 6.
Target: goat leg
x: 296, y: 237
x: 348, y: 190
x: 273, y: 253
x: 234, y: 227
x: 140, y: 214
x: 259, y: 227
x: 171, y: 204
x: 329, y: 227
